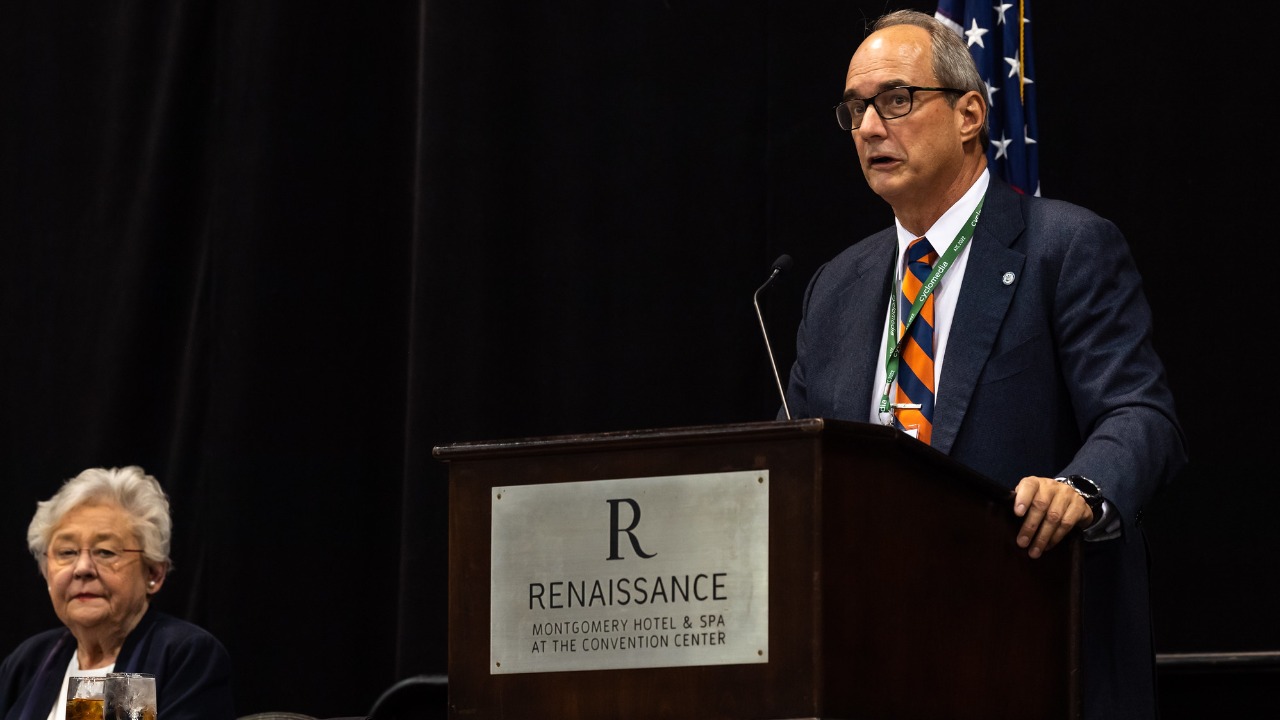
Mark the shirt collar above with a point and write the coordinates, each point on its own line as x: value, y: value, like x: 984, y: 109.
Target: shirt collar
x: 948, y: 226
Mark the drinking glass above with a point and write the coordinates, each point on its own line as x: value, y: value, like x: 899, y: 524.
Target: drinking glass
x: 129, y: 696
x: 84, y: 697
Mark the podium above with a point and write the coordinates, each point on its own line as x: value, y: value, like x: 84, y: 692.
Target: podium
x: 814, y: 569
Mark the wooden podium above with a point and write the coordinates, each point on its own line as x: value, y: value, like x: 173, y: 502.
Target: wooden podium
x: 894, y: 587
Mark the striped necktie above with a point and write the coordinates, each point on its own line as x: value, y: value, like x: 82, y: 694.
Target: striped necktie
x: 915, y: 368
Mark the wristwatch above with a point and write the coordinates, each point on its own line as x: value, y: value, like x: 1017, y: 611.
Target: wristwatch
x: 1086, y: 489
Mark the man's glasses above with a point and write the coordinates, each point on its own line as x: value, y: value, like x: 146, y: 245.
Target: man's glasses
x: 892, y: 103
x: 104, y: 556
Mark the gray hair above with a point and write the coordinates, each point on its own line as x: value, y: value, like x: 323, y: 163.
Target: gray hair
x: 952, y: 63
x: 138, y: 493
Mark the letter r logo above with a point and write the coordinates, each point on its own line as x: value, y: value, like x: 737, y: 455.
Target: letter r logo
x: 615, y: 528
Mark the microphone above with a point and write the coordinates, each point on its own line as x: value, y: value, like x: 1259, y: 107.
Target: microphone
x: 779, y: 266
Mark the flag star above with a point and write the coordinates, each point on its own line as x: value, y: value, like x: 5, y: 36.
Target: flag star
x: 991, y: 93
x: 975, y: 34
x: 1015, y: 65
x: 1026, y: 136
x: 1000, y: 12
x: 1001, y: 145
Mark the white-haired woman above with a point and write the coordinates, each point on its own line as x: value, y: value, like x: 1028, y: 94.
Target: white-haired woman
x: 102, y: 545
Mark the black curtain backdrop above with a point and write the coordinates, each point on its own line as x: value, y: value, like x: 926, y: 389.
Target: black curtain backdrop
x: 275, y: 252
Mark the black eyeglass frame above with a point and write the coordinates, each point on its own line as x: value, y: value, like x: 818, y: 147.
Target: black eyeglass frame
x: 871, y: 102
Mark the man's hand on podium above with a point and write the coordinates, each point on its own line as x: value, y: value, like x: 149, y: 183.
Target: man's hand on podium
x: 1050, y: 509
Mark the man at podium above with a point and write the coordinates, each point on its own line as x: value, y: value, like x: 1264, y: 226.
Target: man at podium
x: 1008, y: 331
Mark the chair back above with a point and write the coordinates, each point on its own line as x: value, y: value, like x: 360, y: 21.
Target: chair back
x: 420, y: 697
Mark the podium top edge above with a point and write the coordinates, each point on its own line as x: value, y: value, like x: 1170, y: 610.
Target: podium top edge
x: 765, y: 430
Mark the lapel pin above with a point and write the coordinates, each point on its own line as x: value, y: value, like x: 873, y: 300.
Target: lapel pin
x: 1007, y: 279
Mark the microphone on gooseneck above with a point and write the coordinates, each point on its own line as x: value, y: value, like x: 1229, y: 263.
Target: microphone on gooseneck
x: 778, y: 267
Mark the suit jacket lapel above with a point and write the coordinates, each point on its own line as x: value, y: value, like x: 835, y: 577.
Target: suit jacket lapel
x: 984, y: 300
x: 868, y: 302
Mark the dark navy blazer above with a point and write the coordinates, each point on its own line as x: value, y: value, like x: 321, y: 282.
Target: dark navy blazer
x: 1049, y: 371
x: 192, y: 669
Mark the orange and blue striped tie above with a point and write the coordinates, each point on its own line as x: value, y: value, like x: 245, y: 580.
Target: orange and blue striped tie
x: 915, y: 367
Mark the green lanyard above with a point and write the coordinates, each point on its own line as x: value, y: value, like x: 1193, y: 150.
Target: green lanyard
x: 893, y: 348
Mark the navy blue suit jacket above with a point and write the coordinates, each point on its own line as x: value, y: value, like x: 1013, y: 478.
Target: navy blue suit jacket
x: 1049, y: 371
x: 192, y: 669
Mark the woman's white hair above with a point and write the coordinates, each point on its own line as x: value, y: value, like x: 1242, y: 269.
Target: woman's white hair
x: 138, y: 493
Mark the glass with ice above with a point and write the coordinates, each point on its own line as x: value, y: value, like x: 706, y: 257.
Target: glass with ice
x: 84, y: 697
x: 129, y: 696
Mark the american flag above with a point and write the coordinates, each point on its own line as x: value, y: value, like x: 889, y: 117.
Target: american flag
x: 999, y: 38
